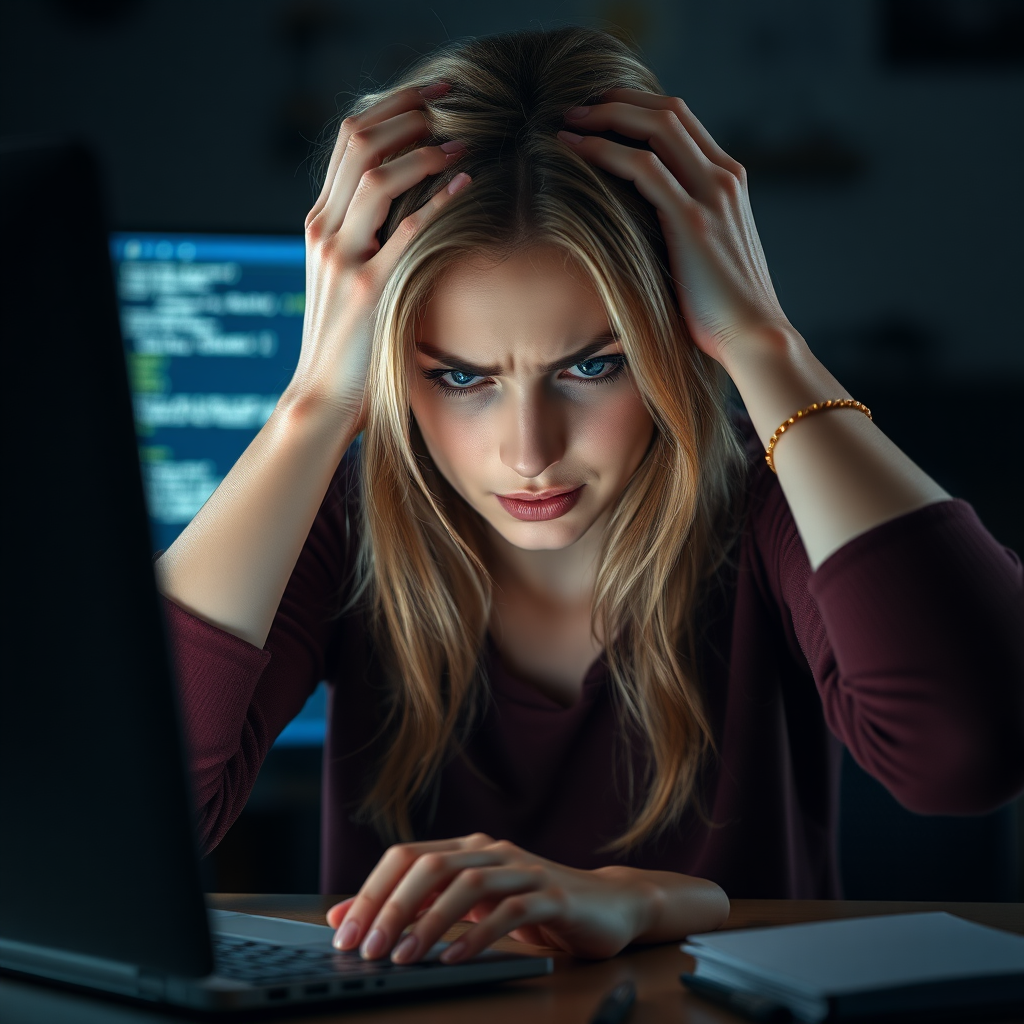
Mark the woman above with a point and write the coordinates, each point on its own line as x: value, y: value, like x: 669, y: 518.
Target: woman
x: 593, y: 657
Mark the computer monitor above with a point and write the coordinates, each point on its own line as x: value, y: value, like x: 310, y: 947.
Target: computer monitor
x: 212, y: 325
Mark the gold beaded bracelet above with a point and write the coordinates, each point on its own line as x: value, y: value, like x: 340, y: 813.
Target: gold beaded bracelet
x: 832, y: 403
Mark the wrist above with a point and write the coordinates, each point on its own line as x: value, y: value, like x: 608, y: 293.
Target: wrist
x: 308, y: 405
x: 668, y: 906
x: 646, y: 899
x: 776, y: 374
x: 768, y: 344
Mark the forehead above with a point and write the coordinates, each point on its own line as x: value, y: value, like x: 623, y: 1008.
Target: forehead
x: 539, y: 299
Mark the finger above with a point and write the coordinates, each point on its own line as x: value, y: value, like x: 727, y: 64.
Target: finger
x: 544, y: 906
x: 379, y: 188
x: 427, y: 903
x: 336, y: 920
x: 384, y: 262
x: 479, y: 911
x: 397, y: 860
x: 365, y: 905
x: 697, y: 131
x: 338, y: 911
x: 662, y: 130
x: 388, y: 107
x: 645, y: 169
x: 431, y: 872
x: 368, y: 148
x: 472, y: 886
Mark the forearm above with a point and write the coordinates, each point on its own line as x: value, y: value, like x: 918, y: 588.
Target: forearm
x: 839, y: 472
x: 231, y: 564
x: 670, y: 906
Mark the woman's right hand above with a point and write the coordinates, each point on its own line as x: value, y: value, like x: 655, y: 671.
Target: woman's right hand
x: 231, y: 564
x: 346, y: 267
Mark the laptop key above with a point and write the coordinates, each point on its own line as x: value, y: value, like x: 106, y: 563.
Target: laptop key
x: 265, y: 963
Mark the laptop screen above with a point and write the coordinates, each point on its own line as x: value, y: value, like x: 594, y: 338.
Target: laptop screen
x: 96, y: 827
x: 212, y: 325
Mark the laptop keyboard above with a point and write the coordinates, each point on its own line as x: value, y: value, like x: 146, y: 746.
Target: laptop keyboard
x: 266, y: 963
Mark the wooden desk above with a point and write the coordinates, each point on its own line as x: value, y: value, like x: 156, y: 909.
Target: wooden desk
x: 568, y: 996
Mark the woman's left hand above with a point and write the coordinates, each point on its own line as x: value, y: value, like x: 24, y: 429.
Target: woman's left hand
x: 700, y: 193
x: 503, y: 889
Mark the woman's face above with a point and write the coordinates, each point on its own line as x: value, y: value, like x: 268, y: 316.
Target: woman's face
x: 521, y: 395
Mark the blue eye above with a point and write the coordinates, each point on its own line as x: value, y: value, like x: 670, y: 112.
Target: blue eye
x: 602, y: 370
x: 591, y: 367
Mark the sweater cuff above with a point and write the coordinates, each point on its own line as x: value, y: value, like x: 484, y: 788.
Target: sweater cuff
x: 894, y: 534
x: 861, y: 589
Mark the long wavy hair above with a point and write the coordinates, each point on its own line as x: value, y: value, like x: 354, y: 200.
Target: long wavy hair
x: 421, y: 568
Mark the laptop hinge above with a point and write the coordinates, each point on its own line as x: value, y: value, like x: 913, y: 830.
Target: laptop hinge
x: 80, y: 969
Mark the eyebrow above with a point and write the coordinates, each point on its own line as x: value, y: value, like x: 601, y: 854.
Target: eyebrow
x: 464, y: 366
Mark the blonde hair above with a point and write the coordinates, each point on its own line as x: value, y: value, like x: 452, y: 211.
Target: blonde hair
x: 421, y: 559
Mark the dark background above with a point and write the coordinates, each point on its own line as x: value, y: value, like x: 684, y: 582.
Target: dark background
x: 883, y: 142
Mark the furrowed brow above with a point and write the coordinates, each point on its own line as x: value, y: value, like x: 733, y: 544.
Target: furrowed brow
x: 464, y: 366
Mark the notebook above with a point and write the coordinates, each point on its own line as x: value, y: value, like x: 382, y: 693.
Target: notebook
x: 99, y: 873
x: 867, y: 966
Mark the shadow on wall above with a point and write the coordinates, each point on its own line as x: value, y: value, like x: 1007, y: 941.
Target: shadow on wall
x: 888, y: 853
x: 274, y: 846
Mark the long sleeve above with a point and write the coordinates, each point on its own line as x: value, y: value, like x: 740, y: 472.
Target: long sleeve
x: 237, y: 698
x: 914, y: 633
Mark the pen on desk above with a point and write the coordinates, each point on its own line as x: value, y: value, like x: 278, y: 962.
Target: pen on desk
x: 615, y: 1006
x: 753, y: 1006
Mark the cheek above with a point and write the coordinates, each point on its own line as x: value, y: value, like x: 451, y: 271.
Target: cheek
x: 456, y: 441
x: 615, y: 433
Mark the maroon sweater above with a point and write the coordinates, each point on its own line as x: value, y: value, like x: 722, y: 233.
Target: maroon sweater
x: 906, y: 645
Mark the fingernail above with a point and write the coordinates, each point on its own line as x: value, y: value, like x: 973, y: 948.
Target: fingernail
x: 575, y: 113
x: 453, y: 147
x: 457, y: 182
x: 570, y: 137
x: 453, y: 952
x: 431, y: 92
x: 405, y: 950
x: 347, y: 935
x: 374, y: 944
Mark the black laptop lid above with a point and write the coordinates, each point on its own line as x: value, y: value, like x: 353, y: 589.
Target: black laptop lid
x: 97, y: 854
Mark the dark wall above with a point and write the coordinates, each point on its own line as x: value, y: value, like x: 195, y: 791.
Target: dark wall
x: 882, y: 141
x: 879, y: 136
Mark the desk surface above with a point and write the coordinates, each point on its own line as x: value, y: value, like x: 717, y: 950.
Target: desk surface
x: 569, y: 995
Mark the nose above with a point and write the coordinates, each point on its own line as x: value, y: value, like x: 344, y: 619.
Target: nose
x: 533, y: 434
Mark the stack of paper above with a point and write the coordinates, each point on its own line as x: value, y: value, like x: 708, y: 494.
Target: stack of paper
x: 867, y: 966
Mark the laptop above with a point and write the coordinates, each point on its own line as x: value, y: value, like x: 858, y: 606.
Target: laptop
x: 99, y: 869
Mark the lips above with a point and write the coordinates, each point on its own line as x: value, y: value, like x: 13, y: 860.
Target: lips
x: 551, y: 492
x: 541, y: 508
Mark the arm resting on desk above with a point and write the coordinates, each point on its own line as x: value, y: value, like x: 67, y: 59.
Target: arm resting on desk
x: 673, y: 905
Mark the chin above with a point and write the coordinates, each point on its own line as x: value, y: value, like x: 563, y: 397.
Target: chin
x: 533, y: 541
